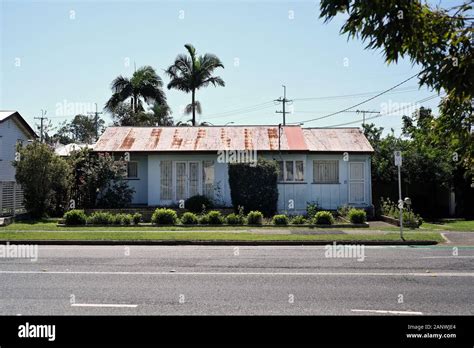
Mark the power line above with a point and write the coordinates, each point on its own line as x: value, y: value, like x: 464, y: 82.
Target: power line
x: 242, y: 110
x: 363, y: 102
x: 401, y: 90
x: 386, y: 114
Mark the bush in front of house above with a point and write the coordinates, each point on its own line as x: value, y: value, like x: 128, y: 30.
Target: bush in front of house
x: 311, y: 209
x: 203, y: 219
x: 254, y: 186
x: 127, y: 219
x: 323, y: 218
x: 215, y: 217
x: 100, y: 218
x: 189, y: 218
x: 164, y: 216
x: 298, y: 220
x: 137, y: 217
x: 235, y: 219
x: 280, y: 220
x: 197, y: 204
x: 357, y: 216
x: 117, y: 219
x: 75, y: 217
x: 255, y: 218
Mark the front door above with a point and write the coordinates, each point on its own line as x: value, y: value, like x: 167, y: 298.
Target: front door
x: 356, y: 182
x: 187, y: 179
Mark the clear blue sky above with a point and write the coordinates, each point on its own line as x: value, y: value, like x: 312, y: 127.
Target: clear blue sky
x: 51, y: 55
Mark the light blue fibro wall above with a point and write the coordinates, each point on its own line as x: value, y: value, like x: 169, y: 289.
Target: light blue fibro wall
x: 293, y: 197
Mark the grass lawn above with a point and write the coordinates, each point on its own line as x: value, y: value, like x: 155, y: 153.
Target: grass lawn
x: 450, y: 225
x: 218, y: 235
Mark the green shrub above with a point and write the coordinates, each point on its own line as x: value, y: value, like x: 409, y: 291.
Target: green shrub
x: 254, y: 187
x: 311, y: 209
x: 164, y: 216
x: 298, y: 220
x: 323, y: 218
x: 204, y: 219
x: 357, y: 216
x: 280, y: 220
x: 127, y: 219
x: 101, y: 218
x: 255, y: 218
x: 137, y: 217
x: 196, y: 204
x: 117, y: 219
x: 215, y: 217
x: 189, y: 218
x: 75, y: 217
x: 343, y: 210
x: 235, y: 219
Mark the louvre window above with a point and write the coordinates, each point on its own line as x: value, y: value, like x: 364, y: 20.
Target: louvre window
x: 166, y: 181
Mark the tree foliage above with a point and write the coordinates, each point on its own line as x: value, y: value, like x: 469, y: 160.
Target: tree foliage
x: 99, y: 181
x: 81, y: 130
x: 45, y: 179
x: 438, y: 40
x: 254, y: 187
x: 192, y: 72
x: 429, y: 171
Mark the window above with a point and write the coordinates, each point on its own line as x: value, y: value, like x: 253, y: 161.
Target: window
x: 326, y: 172
x: 208, y: 179
x: 166, y: 181
x: 132, y: 170
x: 290, y: 171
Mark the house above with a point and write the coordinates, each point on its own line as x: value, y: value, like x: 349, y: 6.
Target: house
x: 330, y: 166
x: 13, y: 130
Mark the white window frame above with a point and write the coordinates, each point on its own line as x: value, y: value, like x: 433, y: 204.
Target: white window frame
x: 336, y: 181
x: 175, y: 172
x: 285, y: 180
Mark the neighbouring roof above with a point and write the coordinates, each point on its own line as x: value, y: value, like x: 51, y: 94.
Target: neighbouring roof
x: 66, y: 150
x: 215, y: 138
x: 12, y: 114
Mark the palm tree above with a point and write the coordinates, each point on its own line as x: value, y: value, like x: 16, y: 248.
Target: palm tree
x: 145, y: 84
x: 189, y: 73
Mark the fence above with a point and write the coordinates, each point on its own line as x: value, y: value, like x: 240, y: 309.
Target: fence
x: 11, y: 199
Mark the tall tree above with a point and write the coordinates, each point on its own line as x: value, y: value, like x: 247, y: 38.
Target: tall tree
x: 438, y: 40
x: 145, y: 85
x: 191, y: 72
x: 80, y: 130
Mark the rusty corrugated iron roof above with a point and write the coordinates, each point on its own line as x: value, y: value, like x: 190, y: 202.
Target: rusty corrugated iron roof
x: 260, y: 138
x: 336, y: 140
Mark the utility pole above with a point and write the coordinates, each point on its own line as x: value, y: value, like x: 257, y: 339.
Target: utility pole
x: 366, y: 112
x: 96, y: 121
x: 284, y: 101
x: 42, y: 118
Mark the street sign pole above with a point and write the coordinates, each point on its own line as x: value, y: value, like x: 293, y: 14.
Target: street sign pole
x: 398, y: 163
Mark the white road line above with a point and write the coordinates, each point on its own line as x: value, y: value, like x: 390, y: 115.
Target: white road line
x: 447, y: 257
x: 385, y: 311
x: 380, y: 274
x: 112, y: 305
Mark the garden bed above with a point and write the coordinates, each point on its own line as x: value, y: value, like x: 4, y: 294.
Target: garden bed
x: 348, y: 225
x: 396, y: 222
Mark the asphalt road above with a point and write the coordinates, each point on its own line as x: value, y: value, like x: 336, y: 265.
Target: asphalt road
x: 197, y: 280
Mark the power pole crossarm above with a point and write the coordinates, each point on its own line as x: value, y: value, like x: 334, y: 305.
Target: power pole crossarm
x: 42, y: 118
x: 284, y: 101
